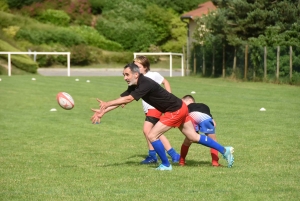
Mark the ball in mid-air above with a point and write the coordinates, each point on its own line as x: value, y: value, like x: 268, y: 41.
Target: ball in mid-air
x: 65, y: 100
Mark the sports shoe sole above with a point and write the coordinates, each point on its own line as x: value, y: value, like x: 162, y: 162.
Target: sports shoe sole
x: 229, y: 159
x: 164, y: 168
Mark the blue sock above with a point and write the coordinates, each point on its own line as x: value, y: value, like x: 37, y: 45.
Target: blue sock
x: 207, y: 141
x: 172, y: 152
x: 152, y: 153
x: 160, y: 150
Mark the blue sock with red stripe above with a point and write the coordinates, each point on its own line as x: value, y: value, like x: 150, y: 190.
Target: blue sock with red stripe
x: 208, y: 142
x: 160, y: 150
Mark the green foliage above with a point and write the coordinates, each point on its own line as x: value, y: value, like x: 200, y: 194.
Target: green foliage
x: 56, y: 17
x: 49, y: 60
x: 117, y: 57
x: 178, y: 36
x: 132, y: 35
x: 80, y: 12
x: 125, y: 9
x: 80, y: 55
x: 8, y: 20
x: 23, y: 62
x: 160, y: 19
x: 96, y: 6
x: 3, y: 5
x: 18, y: 4
x: 178, y: 5
x: 92, y: 37
x: 49, y: 35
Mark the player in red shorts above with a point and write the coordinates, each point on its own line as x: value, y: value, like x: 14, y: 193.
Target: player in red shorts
x: 152, y: 114
x: 175, y: 114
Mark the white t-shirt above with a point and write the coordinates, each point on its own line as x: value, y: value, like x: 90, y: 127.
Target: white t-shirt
x: 157, y: 78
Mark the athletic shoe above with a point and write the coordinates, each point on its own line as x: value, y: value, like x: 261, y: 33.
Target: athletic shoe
x: 217, y: 165
x: 228, y: 155
x: 176, y: 158
x: 162, y: 167
x: 149, y: 160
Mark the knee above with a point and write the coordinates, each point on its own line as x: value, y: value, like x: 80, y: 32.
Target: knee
x: 151, y: 137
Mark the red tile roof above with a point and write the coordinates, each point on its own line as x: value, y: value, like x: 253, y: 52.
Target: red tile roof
x: 203, y: 9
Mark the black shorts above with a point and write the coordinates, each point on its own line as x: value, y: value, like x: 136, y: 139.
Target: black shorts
x: 152, y: 120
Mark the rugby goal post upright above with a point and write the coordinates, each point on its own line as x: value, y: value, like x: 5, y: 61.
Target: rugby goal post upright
x: 38, y: 53
x: 171, y: 54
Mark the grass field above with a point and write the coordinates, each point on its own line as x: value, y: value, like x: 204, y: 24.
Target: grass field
x: 62, y: 156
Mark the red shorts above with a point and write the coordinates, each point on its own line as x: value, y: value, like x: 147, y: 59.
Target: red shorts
x: 153, y: 113
x: 175, y: 119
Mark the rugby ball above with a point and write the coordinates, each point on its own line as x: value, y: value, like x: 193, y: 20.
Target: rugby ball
x: 65, y: 100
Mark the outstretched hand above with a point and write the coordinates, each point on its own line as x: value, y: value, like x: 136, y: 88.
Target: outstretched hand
x: 102, y: 105
x: 97, y: 116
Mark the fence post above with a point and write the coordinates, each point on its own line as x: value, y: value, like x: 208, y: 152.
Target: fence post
x: 246, y: 62
x: 223, y: 62
x: 265, y: 62
x: 291, y: 63
x: 277, y: 69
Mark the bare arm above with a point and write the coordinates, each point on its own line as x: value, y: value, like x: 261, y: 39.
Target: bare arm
x: 108, y: 106
x: 167, y: 85
x: 116, y: 102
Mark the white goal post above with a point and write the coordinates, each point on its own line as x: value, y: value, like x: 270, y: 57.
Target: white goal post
x: 164, y: 53
x: 36, y: 53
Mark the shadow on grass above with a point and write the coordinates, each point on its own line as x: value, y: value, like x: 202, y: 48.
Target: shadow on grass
x: 189, y: 163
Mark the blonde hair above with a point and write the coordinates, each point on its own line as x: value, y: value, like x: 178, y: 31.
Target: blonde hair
x: 143, y: 61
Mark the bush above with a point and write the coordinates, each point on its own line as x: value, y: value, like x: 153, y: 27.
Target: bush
x: 49, y: 60
x: 8, y: 20
x: 49, y: 35
x: 56, y: 17
x: 132, y: 35
x: 117, y: 57
x: 23, y: 62
x: 3, y: 5
x: 94, y: 38
x: 80, y: 55
x: 11, y: 31
x: 19, y: 4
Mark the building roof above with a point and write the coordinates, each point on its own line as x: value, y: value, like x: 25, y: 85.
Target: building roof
x: 203, y: 9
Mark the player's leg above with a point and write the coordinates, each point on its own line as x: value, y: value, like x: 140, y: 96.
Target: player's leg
x: 208, y: 127
x: 150, y: 121
x: 151, y: 158
x: 153, y: 136
x: 188, y: 130
x: 214, y: 152
x: 170, y: 150
x: 184, y: 151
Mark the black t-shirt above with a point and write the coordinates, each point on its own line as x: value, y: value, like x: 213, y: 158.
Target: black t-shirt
x: 199, y: 107
x: 153, y: 94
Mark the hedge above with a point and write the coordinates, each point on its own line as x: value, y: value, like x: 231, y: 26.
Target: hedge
x: 23, y: 62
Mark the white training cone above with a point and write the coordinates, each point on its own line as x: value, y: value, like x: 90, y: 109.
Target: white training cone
x: 193, y: 92
x: 262, y: 109
x: 87, y: 81
x: 53, y: 110
x: 76, y: 80
x: 33, y: 79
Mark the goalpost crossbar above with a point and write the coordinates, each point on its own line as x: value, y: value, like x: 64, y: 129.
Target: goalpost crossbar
x: 36, y: 53
x: 164, y: 53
